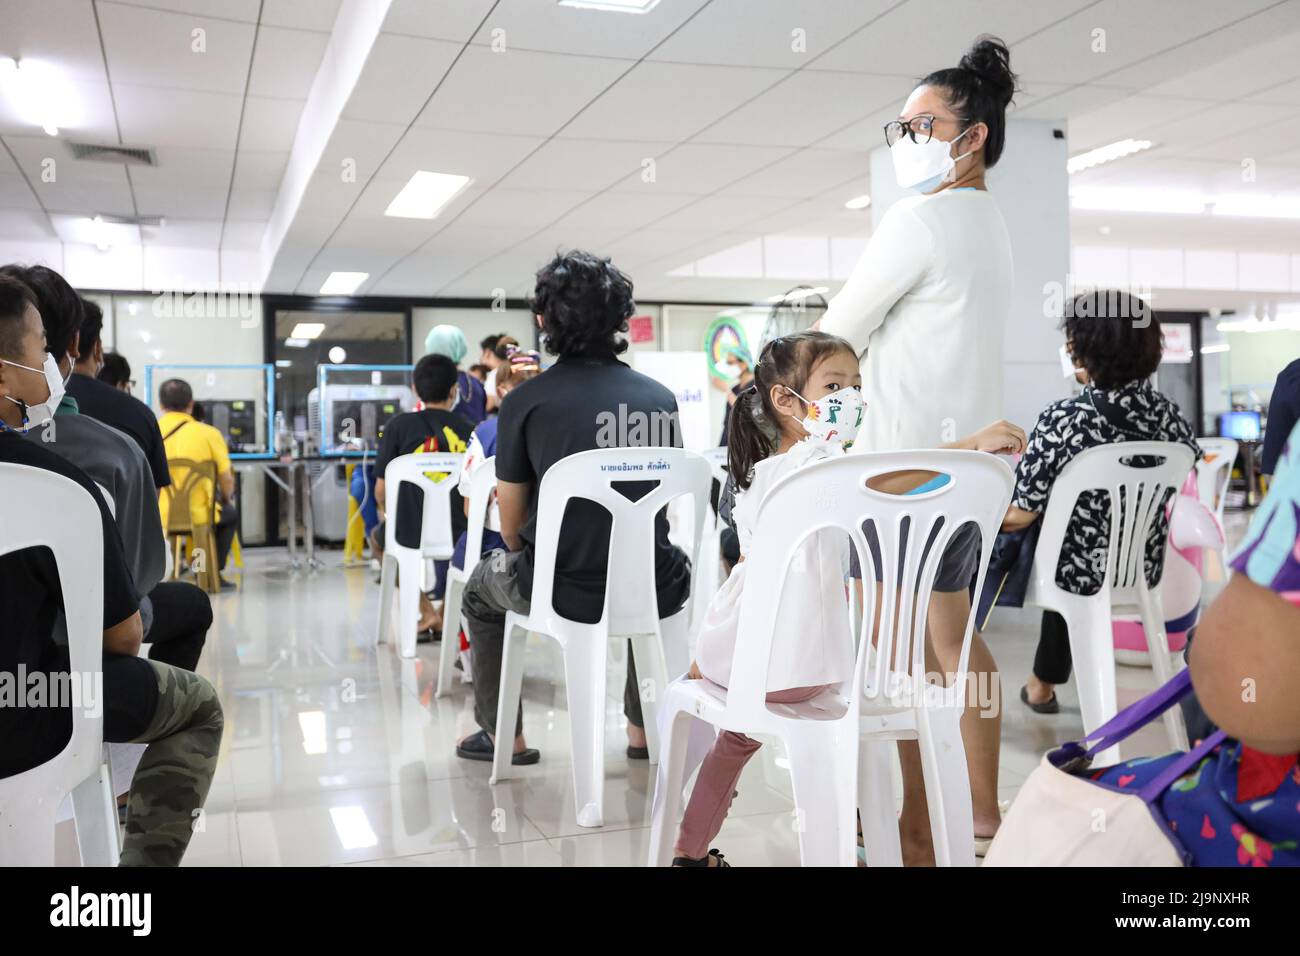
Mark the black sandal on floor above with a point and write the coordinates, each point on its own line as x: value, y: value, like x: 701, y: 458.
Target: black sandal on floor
x: 638, y: 753
x: 1052, y: 706
x: 703, y: 861
x: 479, y: 747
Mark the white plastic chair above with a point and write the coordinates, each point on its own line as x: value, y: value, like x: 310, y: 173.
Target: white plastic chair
x: 481, y: 485
x: 40, y: 508
x: 403, y: 566
x: 1137, y: 498
x: 840, y: 743
x: 659, y: 648
x: 1214, y: 473
x: 708, y: 572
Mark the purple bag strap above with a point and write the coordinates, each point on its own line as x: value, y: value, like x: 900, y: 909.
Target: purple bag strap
x: 1159, y: 783
x: 1140, y: 713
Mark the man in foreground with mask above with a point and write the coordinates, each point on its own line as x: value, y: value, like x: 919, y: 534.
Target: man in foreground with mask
x: 177, y: 713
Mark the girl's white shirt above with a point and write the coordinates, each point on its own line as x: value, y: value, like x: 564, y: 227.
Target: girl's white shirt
x: 812, y: 644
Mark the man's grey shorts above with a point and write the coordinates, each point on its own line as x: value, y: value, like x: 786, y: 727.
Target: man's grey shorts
x: 957, y: 566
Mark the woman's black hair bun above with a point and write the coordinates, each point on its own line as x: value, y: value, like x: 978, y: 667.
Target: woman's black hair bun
x: 990, y: 60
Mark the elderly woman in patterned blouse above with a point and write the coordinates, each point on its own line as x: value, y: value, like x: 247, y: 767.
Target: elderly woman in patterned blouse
x: 1115, y: 342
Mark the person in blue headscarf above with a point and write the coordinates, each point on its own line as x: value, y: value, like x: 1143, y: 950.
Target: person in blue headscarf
x: 471, y: 399
x: 738, y: 356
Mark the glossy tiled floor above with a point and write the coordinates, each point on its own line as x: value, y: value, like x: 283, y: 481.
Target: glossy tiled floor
x: 335, y: 751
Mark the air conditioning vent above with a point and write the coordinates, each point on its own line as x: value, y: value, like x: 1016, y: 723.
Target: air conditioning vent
x: 127, y: 155
x: 132, y: 220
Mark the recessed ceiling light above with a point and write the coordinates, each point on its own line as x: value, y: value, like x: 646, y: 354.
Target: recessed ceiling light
x: 307, y: 330
x: 613, y: 6
x: 858, y: 202
x: 40, y: 93
x: 283, y: 363
x: 1107, y: 153
x: 343, y: 283
x: 338, y: 355
x: 425, y: 194
x: 1262, y: 206
x: 297, y: 343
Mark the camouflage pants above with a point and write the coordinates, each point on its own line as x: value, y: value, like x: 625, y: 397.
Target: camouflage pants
x: 172, y: 780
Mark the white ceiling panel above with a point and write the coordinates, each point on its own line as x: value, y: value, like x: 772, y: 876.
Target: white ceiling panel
x: 806, y: 108
x: 146, y: 47
x: 530, y: 25
x: 621, y: 213
x: 184, y: 118
x: 948, y: 30
x: 1135, y: 35
x: 15, y: 193
x: 518, y: 91
x: 769, y: 33
x: 806, y: 173
x: 251, y: 204
x: 94, y: 104
x: 701, y: 168
x: 301, y: 14
x: 400, y: 75
x: 29, y: 224
x: 61, y: 32
x: 188, y: 203
x: 669, y: 101
x: 527, y: 207
x: 581, y: 164
x: 260, y: 170
x: 181, y: 169
x: 285, y: 62
x: 484, y: 157
x: 243, y: 10
x: 358, y: 148
x: 269, y: 124
x: 437, y: 19
x: 736, y: 211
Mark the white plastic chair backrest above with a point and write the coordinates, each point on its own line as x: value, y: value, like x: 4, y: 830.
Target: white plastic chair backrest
x: 481, y: 483
x: 1137, y: 498
x: 1214, y: 472
x: 43, y: 508
x: 108, y: 499
x: 631, y: 606
x: 717, y: 459
x: 834, y: 494
x: 434, y: 473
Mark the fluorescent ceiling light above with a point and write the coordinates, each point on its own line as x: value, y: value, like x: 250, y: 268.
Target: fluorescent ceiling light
x: 343, y: 283
x: 297, y: 343
x: 1282, y: 323
x: 283, y: 363
x: 1105, y: 154
x: 425, y: 194
x: 40, y: 93
x: 307, y: 330
x: 1138, y: 200
x: 1263, y: 206
x: 858, y: 202
x: 613, y: 6
x: 1213, y: 349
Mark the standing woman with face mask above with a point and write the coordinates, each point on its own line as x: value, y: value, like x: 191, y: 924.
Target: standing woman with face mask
x: 925, y: 309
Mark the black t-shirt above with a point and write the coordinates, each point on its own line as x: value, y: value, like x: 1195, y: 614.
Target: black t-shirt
x: 1283, y: 413
x: 558, y: 414
x: 31, y: 601
x: 126, y: 413
x: 429, y: 430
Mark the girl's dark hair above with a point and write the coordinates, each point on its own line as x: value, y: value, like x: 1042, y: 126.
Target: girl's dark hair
x: 754, y: 427
x: 584, y: 302
x: 979, y: 89
x: 1115, y: 336
x: 505, y: 344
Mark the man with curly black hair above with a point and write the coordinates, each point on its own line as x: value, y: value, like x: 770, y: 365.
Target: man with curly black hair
x: 582, y: 304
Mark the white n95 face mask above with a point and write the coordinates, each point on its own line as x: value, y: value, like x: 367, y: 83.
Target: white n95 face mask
x: 37, y: 415
x: 835, y: 417
x: 924, y: 166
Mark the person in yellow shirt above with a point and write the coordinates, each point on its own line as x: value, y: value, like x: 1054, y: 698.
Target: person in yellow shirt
x: 186, y: 437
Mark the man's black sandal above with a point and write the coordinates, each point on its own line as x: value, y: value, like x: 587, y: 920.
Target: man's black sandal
x: 702, y: 861
x: 479, y: 747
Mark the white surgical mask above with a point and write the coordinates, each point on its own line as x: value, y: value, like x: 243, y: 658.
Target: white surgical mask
x: 835, y: 417
x: 924, y: 166
x: 1068, y: 368
x: 37, y: 415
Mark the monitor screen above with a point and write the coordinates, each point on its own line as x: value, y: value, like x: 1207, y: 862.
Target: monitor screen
x: 362, y: 418
x: 1242, y: 426
x: 236, y: 419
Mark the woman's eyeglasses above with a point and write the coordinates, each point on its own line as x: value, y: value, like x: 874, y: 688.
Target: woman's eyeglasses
x: 920, y: 128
